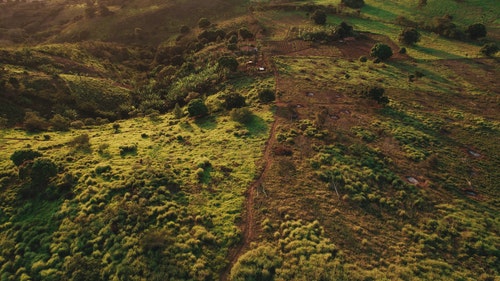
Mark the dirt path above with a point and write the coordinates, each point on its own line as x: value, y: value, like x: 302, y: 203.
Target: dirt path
x: 247, y: 225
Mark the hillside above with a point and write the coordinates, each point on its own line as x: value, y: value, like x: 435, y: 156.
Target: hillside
x: 233, y: 140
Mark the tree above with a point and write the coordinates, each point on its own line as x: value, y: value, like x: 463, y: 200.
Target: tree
x: 42, y: 171
x: 197, y: 108
x: 23, y: 155
x: 245, y: 33
x: 60, y: 123
x: 319, y: 17
x: 204, y: 23
x: 355, y: 4
x: 381, y: 51
x: 267, y: 95
x: 489, y: 49
x: 476, y: 30
x: 228, y: 62
x: 233, y: 100
x: 34, y: 123
x: 409, y: 36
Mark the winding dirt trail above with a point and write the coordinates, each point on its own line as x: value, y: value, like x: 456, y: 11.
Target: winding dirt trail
x: 247, y: 225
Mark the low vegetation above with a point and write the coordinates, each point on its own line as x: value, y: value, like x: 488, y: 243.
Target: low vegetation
x: 250, y: 140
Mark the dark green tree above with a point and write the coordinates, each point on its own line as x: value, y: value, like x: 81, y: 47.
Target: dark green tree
x: 23, y: 155
x: 267, y: 95
x: 477, y: 30
x: 319, y: 17
x: 245, y: 33
x: 228, y: 62
x: 42, y: 171
x: 409, y: 36
x: 381, y: 51
x: 489, y: 49
x: 233, y: 100
x: 204, y: 23
x: 197, y: 108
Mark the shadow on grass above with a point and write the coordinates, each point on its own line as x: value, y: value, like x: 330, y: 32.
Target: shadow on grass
x: 256, y: 126
x: 436, y: 53
x: 206, y: 123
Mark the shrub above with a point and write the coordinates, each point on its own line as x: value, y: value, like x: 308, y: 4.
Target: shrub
x: 128, y: 149
x: 42, y: 171
x: 197, y: 108
x: 204, y: 23
x: 377, y: 94
x: 319, y: 17
x: 233, y: 100
x: 77, y: 124
x: 102, y: 169
x: 267, y: 95
x: 476, y: 30
x: 34, y: 123
x: 228, y: 62
x: 355, y: 4
x: 241, y: 115
x: 257, y: 264
x: 60, y: 123
x: 381, y: 51
x: 245, y: 33
x: 489, y: 49
x: 409, y: 36
x: 23, y: 155
x: 80, y: 142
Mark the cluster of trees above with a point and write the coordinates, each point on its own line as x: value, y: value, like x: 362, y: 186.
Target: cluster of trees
x: 327, y: 33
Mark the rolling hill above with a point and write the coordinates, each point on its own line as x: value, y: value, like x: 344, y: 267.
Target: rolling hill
x: 239, y: 140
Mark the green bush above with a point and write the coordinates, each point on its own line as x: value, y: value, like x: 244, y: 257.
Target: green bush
x: 477, y: 30
x: 23, y: 155
x: 381, y: 51
x: 203, y: 23
x: 34, y: 123
x: 233, y: 100
x: 257, y: 264
x: 80, y: 142
x: 319, y: 17
x: 267, y: 95
x: 409, y: 36
x: 42, y: 170
x: 229, y: 63
x: 245, y: 33
x: 489, y: 49
x: 60, y: 123
x: 197, y: 108
x: 128, y: 149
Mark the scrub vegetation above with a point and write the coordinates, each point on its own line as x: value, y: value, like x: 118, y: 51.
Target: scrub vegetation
x: 249, y: 140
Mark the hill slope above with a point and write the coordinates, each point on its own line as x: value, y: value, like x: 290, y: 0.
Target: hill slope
x: 314, y: 161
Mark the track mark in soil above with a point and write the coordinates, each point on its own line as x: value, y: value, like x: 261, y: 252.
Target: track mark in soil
x: 247, y: 226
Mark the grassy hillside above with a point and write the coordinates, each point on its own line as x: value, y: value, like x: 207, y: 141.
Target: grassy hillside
x: 261, y: 146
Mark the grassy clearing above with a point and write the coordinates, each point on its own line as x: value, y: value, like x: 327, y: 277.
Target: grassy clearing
x: 162, y: 146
